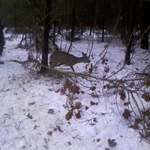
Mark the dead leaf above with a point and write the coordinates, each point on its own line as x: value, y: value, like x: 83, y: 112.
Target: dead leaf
x: 122, y: 94
x: 94, y: 119
x: 82, y: 92
x: 146, y: 112
x: 93, y: 95
x: 59, y: 129
x: 63, y: 90
x: 102, y: 60
x: 29, y: 116
x: 49, y: 132
x: 126, y: 103
x: 147, y: 82
x: 93, y: 103
x: 69, y: 143
x: 75, y: 89
x: 78, y: 115
x: 92, y: 88
x: 32, y: 103
x: 35, y: 127
x: 107, y: 86
x: 126, y: 114
x: 92, y: 124
x: 69, y: 114
x: 98, y: 140
x: 86, y: 107
x: 57, y: 90
x: 51, y: 111
x: 22, y: 147
x: 91, y: 68
x: 78, y: 105
x: 146, y: 96
x: 112, y: 142
x: 136, y: 126
x: 86, y: 66
x: 106, y: 69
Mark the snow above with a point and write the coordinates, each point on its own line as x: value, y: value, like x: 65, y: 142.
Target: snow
x: 33, y: 108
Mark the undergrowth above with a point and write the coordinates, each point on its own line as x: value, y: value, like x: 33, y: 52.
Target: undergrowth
x: 132, y: 91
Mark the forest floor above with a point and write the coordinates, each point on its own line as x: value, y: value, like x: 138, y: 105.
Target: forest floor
x: 61, y: 112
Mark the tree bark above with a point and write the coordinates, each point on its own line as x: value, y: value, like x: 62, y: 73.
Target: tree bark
x: 2, y: 41
x: 145, y: 23
x: 103, y: 28
x: 144, y: 39
x: 131, y: 25
x: 46, y: 36
x: 73, y: 22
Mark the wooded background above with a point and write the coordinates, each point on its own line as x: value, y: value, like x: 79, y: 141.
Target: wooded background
x: 45, y: 19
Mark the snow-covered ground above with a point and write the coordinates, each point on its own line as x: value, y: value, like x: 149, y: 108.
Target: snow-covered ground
x: 33, y: 107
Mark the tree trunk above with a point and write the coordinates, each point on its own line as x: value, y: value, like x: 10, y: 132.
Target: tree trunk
x: 92, y: 16
x: 145, y: 23
x: 73, y: 22
x: 2, y: 41
x: 144, y: 39
x: 54, y: 32
x: 103, y: 28
x: 129, y: 46
x: 46, y: 36
x: 131, y: 25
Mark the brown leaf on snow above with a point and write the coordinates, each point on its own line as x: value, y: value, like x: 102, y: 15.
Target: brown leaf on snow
x: 75, y: 89
x: 106, y: 69
x: 86, y: 66
x: 91, y: 68
x: 92, y: 88
x: 93, y: 95
x: 146, y: 112
x: 32, y: 103
x: 23, y: 147
x: 104, y: 60
x: 122, y: 94
x: 29, y: 116
x: 136, y: 123
x: 69, y: 114
x: 126, y: 103
x: 146, y: 96
x: 126, y: 114
x: 86, y: 107
x: 147, y: 82
x: 69, y: 143
x: 98, y: 140
x: 94, y: 120
x: 51, y: 111
x: 35, y: 127
x: 82, y: 92
x: 59, y: 129
x: 107, y: 86
x: 103, y: 114
x: 78, y: 115
x: 93, y: 103
x: 92, y: 124
x: 49, y: 132
x: 63, y: 90
x: 78, y: 105
x: 57, y: 90
x: 112, y: 142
